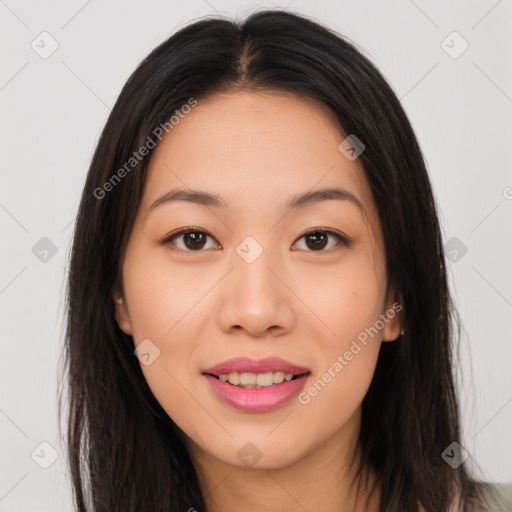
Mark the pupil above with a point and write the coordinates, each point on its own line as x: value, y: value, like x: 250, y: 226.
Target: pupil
x: 319, y: 240
x: 193, y: 238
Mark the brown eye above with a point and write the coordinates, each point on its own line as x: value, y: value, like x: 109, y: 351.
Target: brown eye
x: 193, y: 240
x: 319, y: 239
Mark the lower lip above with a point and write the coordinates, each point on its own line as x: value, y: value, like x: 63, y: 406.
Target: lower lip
x: 257, y: 399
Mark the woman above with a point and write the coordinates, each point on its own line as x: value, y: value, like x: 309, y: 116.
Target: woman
x: 258, y: 310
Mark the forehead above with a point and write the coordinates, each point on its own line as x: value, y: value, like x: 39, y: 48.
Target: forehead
x: 254, y: 148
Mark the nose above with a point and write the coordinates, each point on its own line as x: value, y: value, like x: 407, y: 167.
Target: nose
x: 257, y: 299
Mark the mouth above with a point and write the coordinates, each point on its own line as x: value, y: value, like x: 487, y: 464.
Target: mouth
x: 257, y: 380
x: 256, y: 392
x: 244, y: 372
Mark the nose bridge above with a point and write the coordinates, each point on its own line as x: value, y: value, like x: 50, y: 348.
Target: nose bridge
x: 252, y: 274
x: 256, y: 299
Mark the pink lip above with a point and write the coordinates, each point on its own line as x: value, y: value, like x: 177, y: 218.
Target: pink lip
x: 247, y: 365
x: 257, y: 399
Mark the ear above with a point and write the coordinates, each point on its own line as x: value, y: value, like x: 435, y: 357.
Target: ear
x: 393, y: 315
x: 122, y: 314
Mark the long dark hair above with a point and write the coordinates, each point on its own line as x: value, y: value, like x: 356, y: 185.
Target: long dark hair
x: 125, y: 453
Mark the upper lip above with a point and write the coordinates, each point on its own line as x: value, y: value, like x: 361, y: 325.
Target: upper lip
x: 248, y: 365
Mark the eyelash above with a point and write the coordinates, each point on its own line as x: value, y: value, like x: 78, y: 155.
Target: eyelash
x: 342, y: 241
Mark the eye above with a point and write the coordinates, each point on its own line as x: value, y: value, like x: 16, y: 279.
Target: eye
x: 194, y: 239
x: 318, y: 239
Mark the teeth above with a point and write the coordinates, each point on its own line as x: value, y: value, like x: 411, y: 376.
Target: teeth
x: 265, y: 379
x: 234, y: 378
x: 247, y: 379
x: 253, y: 380
x: 278, y: 377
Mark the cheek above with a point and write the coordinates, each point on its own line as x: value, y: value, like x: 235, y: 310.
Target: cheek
x: 170, y: 375
x: 346, y: 298
x: 346, y: 359
x: 149, y: 287
x: 161, y: 294
x: 165, y: 308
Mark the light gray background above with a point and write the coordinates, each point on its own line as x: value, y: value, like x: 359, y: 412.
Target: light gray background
x: 52, y: 111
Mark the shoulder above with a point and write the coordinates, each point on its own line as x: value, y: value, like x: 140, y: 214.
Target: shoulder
x: 498, y: 496
x: 502, y: 492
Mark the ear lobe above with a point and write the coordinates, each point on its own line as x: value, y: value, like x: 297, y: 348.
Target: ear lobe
x: 394, y: 316
x: 122, y: 315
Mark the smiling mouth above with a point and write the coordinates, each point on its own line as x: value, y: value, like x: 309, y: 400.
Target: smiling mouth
x: 256, y: 380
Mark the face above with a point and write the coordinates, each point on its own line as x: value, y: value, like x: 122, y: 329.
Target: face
x: 256, y: 277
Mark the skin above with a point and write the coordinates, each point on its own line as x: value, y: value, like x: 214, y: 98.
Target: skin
x: 307, y: 306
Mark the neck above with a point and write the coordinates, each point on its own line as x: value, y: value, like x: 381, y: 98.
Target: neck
x: 325, y: 479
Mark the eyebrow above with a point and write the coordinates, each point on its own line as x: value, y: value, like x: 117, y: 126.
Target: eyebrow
x: 296, y: 201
